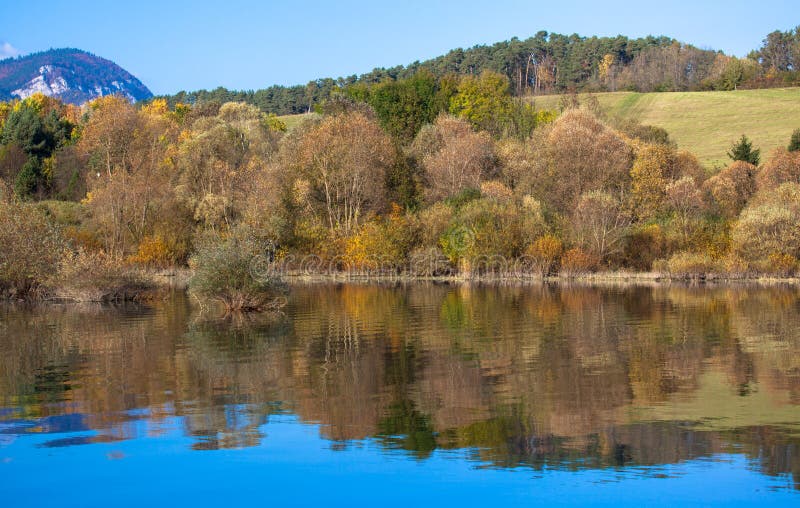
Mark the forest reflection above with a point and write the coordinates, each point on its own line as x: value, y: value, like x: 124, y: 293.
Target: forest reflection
x: 543, y: 376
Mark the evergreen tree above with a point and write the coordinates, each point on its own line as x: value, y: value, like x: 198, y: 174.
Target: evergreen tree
x: 794, y: 142
x: 29, y: 178
x: 743, y: 151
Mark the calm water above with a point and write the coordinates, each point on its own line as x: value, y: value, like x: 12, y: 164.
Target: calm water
x: 418, y: 395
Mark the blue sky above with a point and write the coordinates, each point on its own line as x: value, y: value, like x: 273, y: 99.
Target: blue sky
x: 186, y: 45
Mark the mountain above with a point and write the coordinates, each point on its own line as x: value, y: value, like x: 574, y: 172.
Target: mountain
x: 69, y: 74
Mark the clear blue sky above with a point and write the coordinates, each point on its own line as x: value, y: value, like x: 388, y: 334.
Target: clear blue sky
x: 239, y: 44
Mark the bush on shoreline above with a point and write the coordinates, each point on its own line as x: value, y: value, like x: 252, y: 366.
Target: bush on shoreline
x: 31, y: 249
x: 96, y: 277
x: 235, y: 271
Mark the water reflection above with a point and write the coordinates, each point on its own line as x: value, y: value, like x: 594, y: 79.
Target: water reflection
x: 537, y: 377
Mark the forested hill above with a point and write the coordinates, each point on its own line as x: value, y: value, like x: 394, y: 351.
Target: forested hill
x: 71, y: 75
x: 554, y: 63
x: 545, y: 63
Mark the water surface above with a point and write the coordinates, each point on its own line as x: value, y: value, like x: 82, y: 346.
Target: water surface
x: 420, y: 394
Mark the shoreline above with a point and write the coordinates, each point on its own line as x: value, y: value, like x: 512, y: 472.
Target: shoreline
x: 160, y: 282
x: 599, y: 279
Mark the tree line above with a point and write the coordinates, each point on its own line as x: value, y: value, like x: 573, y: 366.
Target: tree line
x: 549, y: 63
x: 423, y: 176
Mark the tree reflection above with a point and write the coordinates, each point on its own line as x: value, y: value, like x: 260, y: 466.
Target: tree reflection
x: 534, y: 376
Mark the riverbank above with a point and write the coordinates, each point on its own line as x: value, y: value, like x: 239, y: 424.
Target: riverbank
x: 154, y: 284
x: 598, y: 278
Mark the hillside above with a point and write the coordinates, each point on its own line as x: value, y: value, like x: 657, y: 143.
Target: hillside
x: 72, y: 75
x: 546, y: 62
x: 707, y: 123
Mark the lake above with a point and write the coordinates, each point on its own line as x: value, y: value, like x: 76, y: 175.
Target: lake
x: 419, y: 394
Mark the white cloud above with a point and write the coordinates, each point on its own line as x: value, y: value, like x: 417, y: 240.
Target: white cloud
x: 7, y: 50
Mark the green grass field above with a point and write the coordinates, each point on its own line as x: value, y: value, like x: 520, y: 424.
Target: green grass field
x: 293, y: 121
x: 707, y: 123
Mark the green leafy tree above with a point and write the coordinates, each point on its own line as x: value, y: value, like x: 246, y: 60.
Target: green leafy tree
x: 404, y: 106
x: 484, y: 101
x: 743, y: 150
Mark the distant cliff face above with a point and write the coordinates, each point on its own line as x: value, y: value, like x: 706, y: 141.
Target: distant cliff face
x: 71, y: 75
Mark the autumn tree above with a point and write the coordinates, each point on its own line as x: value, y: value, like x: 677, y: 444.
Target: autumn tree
x: 517, y: 161
x: 731, y: 188
x: 581, y: 155
x: 218, y: 159
x: 130, y: 189
x: 770, y: 225
x: 107, y: 134
x: 655, y: 168
x: 453, y: 156
x: 782, y: 167
x: 685, y: 200
x: 344, y: 159
x: 600, y: 223
x: 108, y: 142
x: 648, y: 180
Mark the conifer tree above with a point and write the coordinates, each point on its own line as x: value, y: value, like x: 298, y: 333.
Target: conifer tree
x: 743, y: 151
x: 794, y: 142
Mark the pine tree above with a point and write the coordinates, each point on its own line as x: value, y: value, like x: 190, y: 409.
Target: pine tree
x: 794, y: 142
x: 29, y: 178
x: 743, y: 151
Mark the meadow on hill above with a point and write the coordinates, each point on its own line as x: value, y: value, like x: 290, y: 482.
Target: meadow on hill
x: 707, y: 123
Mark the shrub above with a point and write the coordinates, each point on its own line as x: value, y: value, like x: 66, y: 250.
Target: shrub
x: 433, y: 222
x: 782, y: 167
x: 226, y: 269
x: 382, y: 244
x: 496, y: 190
x: 734, y: 265
x: 429, y: 262
x: 782, y: 265
x: 646, y: 244
x: 770, y: 225
x: 156, y: 251
x: 488, y: 234
x: 732, y: 187
x: 85, y: 276
x: 690, y: 265
x: 30, y: 250
x: 576, y: 262
x: 544, y: 253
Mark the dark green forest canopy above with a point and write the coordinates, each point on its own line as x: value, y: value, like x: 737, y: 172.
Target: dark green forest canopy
x: 546, y: 63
